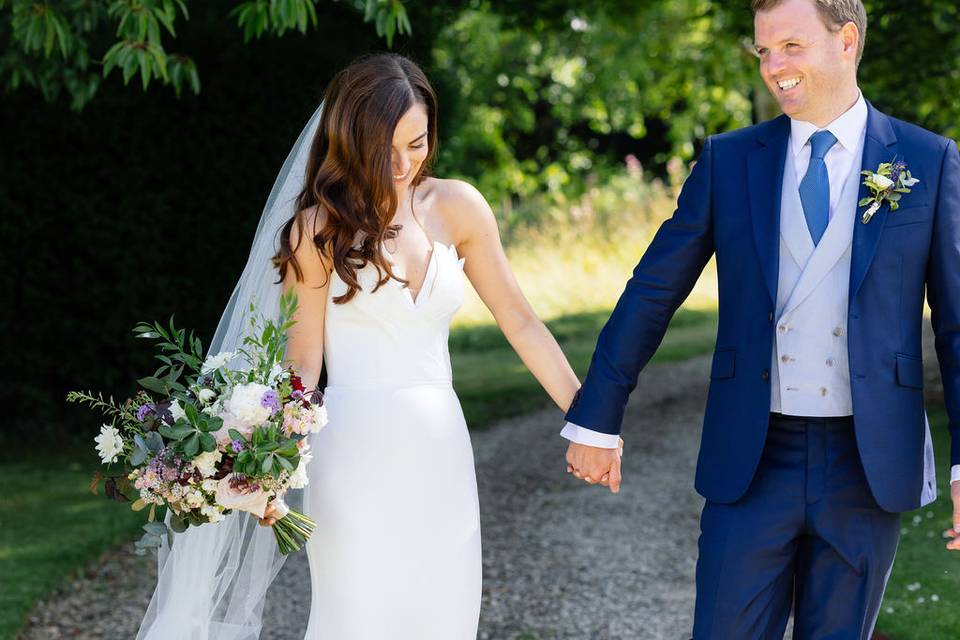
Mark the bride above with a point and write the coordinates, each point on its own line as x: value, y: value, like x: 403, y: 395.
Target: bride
x: 375, y: 249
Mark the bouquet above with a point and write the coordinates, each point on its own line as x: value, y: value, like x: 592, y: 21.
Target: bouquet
x: 203, y: 439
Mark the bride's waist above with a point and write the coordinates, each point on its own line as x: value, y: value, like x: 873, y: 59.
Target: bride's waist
x: 381, y: 384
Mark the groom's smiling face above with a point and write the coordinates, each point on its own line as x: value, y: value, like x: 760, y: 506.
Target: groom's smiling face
x: 809, y: 68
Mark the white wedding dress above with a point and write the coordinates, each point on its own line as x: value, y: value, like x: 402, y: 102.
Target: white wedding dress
x: 392, y: 487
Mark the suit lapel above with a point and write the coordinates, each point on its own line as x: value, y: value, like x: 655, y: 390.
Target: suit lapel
x: 880, y: 146
x: 765, y: 166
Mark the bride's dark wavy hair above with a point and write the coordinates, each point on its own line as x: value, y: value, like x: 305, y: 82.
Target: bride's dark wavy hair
x: 349, y: 175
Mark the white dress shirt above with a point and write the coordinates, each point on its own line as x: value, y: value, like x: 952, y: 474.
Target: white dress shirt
x: 842, y: 158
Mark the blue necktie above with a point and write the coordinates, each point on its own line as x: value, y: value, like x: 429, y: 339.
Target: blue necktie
x: 815, y: 186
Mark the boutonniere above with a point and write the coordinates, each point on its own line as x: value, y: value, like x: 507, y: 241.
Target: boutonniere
x: 887, y: 184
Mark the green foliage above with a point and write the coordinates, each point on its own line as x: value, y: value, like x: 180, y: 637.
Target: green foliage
x: 550, y: 110
x: 53, y: 46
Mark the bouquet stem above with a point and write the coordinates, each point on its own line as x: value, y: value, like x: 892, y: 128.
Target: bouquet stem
x: 292, y: 530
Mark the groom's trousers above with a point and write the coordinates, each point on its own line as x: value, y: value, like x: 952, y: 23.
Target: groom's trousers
x: 807, y: 535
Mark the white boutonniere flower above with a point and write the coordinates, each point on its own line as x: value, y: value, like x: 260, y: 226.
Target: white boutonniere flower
x: 888, y: 184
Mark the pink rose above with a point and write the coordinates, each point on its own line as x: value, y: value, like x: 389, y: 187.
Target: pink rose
x: 239, y: 496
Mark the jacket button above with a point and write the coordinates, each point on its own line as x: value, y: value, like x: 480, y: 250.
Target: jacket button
x: 770, y: 316
x: 765, y: 375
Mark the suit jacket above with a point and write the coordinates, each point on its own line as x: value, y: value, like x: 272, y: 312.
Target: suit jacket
x: 730, y: 206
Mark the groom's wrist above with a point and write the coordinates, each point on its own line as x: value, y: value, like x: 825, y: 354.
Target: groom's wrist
x: 589, y: 437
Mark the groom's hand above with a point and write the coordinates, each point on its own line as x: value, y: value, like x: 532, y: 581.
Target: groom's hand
x: 954, y: 533
x: 595, y: 465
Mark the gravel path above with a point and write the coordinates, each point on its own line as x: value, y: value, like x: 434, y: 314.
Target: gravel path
x: 562, y: 560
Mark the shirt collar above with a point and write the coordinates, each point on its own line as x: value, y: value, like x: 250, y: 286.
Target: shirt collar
x: 848, y: 128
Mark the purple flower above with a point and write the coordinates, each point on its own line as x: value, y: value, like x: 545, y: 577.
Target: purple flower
x: 143, y: 411
x: 296, y: 394
x: 237, y: 446
x: 896, y: 170
x: 271, y: 400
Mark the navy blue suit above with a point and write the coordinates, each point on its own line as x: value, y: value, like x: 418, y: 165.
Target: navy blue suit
x: 730, y: 207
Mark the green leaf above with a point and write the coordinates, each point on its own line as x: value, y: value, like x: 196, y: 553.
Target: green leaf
x: 191, y: 411
x: 154, y: 441
x: 207, y: 442
x: 156, y: 385
x: 285, y: 464
x: 138, y: 457
x: 192, y: 445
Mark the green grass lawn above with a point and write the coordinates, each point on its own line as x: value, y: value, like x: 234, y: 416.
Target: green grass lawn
x: 492, y: 383
x: 51, y: 525
x: 922, y: 601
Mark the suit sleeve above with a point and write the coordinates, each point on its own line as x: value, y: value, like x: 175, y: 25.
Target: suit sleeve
x: 943, y: 289
x: 661, y: 281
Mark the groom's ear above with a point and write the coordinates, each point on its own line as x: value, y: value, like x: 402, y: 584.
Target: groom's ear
x: 850, y: 37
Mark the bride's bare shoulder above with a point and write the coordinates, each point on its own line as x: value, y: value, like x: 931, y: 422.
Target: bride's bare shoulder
x: 461, y: 205
x: 302, y: 239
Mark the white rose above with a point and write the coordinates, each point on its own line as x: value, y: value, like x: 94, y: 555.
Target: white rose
x: 214, y: 362
x: 210, y: 485
x: 206, y: 395
x: 207, y: 461
x: 882, y: 181
x: 245, y: 406
x: 109, y: 443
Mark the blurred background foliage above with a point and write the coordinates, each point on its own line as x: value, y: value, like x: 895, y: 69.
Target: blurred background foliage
x: 141, y: 137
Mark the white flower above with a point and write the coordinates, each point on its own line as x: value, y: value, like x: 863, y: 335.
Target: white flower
x: 245, y: 404
x: 909, y: 182
x: 210, y: 485
x: 276, y: 373
x: 177, y: 410
x: 214, y: 362
x: 212, y: 513
x: 319, y: 417
x: 207, y: 461
x: 109, y: 443
x: 299, y: 478
x: 206, y: 395
x: 194, y: 499
x: 881, y: 181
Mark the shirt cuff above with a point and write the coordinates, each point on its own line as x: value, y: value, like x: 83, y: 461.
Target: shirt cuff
x: 955, y: 473
x: 591, y: 438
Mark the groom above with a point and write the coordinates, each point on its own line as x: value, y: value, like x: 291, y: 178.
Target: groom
x: 814, y: 438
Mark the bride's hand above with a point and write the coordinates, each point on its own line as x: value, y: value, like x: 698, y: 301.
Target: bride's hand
x: 267, y: 520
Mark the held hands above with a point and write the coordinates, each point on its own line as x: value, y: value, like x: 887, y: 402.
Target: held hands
x: 267, y: 520
x: 954, y: 533
x: 595, y: 465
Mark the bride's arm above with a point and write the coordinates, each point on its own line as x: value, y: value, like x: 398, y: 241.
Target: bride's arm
x: 305, y: 338
x: 485, y: 264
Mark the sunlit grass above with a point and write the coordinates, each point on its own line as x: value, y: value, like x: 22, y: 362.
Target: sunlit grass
x: 922, y: 600
x: 51, y: 525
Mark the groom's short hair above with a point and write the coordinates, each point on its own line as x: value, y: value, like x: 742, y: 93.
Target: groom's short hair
x: 835, y: 14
